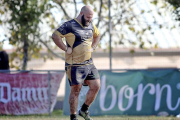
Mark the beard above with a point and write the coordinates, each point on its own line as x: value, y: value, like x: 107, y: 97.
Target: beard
x: 84, y: 22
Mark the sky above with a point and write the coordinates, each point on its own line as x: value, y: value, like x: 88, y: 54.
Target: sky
x: 6, y: 43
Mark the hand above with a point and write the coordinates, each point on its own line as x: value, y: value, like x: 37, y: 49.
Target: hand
x: 90, y: 50
x: 69, y: 50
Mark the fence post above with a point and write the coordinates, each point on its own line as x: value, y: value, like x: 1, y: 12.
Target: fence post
x: 49, y: 92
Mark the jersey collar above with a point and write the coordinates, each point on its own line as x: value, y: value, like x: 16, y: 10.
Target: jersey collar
x: 78, y: 22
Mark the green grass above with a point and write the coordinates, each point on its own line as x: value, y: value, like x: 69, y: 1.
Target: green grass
x: 58, y: 115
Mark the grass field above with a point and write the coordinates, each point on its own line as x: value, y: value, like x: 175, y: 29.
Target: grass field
x: 57, y: 115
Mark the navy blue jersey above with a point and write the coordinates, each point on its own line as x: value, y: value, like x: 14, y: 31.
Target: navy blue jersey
x: 79, y: 38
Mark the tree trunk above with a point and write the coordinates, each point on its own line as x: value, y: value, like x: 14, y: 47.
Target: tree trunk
x: 25, y: 47
x: 25, y: 57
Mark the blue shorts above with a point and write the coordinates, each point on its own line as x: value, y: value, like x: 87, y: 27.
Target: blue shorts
x: 78, y: 74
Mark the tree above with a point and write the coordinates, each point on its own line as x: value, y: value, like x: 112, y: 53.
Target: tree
x: 23, y: 20
x: 128, y: 25
x: 176, y: 4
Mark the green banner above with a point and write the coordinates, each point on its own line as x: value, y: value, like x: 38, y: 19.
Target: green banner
x: 139, y: 92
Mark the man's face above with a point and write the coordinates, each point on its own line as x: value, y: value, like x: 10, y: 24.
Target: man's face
x: 86, y: 19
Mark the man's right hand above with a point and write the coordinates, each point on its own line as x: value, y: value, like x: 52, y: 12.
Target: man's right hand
x: 69, y: 50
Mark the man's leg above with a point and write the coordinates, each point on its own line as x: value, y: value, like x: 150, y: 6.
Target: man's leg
x: 73, y: 100
x: 94, y: 86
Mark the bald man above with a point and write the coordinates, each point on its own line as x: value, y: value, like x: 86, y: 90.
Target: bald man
x: 82, y: 37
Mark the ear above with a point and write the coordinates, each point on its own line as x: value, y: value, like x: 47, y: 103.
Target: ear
x: 81, y: 13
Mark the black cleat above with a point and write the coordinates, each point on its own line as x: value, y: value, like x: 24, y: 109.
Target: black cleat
x: 85, y: 115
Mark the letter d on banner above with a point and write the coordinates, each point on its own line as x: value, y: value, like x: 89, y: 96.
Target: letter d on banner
x: 103, y: 93
x: 8, y: 88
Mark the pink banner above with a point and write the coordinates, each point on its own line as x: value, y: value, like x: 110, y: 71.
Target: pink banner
x: 27, y: 93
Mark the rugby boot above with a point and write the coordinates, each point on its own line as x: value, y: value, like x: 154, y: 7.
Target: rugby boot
x: 85, y: 115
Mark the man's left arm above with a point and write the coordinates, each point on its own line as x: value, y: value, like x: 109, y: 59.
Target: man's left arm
x: 95, y: 41
x: 96, y: 37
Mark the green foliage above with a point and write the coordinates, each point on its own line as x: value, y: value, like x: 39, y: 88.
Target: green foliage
x: 132, y: 51
x: 176, y: 4
x: 154, y: 2
x: 1, y: 46
x: 24, y: 28
x: 123, y: 16
x: 25, y: 19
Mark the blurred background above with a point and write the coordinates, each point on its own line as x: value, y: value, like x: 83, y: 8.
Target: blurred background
x: 136, y: 34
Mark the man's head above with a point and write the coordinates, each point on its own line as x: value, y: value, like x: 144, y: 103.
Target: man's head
x: 86, y: 15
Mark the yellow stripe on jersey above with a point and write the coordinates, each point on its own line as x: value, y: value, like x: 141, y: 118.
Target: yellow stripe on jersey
x: 82, y: 53
x: 78, y: 22
x: 68, y: 58
x: 70, y: 38
x: 96, y: 31
x: 58, y: 34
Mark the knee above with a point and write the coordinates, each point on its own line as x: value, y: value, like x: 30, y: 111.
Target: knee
x: 75, y: 93
x: 96, y: 87
x: 75, y: 90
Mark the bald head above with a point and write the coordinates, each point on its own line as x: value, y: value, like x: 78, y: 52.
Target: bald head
x: 87, y: 9
x: 86, y: 15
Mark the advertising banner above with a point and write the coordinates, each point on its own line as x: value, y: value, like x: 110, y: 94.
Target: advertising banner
x: 28, y: 93
x: 140, y: 92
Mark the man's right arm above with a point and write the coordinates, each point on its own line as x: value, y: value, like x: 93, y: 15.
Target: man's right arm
x: 58, y: 41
